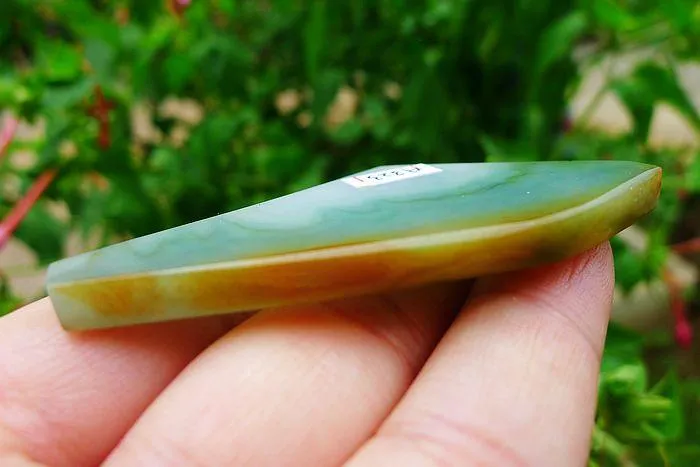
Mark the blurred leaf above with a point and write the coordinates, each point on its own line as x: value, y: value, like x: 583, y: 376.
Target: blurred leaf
x: 178, y: 70
x: 101, y: 56
x: 556, y: 42
x: 58, y: 127
x: 8, y: 301
x: 622, y: 344
x: 314, y: 39
x: 227, y: 6
x: 649, y: 85
x: 692, y: 174
x: 379, y: 121
x: 640, y: 105
x: 43, y: 233
x: 129, y: 210
x: 324, y: 91
x: 311, y: 176
x: 670, y: 427
x: 612, y: 14
x: 631, y: 266
x: 81, y: 17
x: 500, y: 150
x: 664, y: 86
x: 680, y: 13
x: 13, y: 92
x: 58, y: 61
x: 622, y: 370
x: 623, y: 379
x: 60, y: 97
x: 348, y: 132
x: 157, y: 38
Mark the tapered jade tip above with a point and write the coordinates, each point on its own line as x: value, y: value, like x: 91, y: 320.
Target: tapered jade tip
x: 382, y: 229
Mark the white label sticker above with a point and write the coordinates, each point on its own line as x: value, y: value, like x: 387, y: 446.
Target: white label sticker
x: 390, y: 175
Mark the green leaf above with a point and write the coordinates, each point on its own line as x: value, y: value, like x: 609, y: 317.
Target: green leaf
x: 56, y: 130
x: 663, y: 84
x: 325, y: 90
x: 13, y: 92
x: 692, y: 174
x: 129, y: 209
x: 639, y: 103
x: 314, y: 38
x: 499, y: 150
x: 91, y: 213
x: 58, y: 61
x: 8, y: 301
x: 622, y: 380
x: 228, y: 7
x: 558, y: 40
x: 178, y: 70
x: 84, y: 20
x: 681, y: 13
x: 348, y: 133
x: 60, y: 97
x: 101, y: 56
x: 611, y: 14
x: 623, y: 343
x: 670, y: 426
x: 631, y: 267
x: 311, y: 176
x: 157, y: 38
x: 43, y: 233
x: 649, y: 85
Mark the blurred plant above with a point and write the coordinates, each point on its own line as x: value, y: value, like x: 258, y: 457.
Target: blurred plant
x: 637, y: 424
x: 155, y: 114
x: 281, y: 97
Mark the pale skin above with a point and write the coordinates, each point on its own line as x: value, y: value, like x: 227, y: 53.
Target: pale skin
x: 503, y: 373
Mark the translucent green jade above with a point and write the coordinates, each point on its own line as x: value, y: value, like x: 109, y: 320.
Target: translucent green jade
x: 384, y: 229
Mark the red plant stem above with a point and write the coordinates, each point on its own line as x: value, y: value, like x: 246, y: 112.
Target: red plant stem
x: 100, y: 112
x: 688, y: 246
x: 19, y: 211
x: 683, y: 331
x: 7, y: 134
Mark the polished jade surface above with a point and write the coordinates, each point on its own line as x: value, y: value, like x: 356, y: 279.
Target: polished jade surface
x: 335, y: 213
x: 383, y: 229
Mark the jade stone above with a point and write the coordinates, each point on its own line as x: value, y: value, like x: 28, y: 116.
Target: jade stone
x: 382, y: 229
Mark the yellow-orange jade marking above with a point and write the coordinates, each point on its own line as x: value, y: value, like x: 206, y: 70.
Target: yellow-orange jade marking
x: 130, y: 296
x: 348, y: 270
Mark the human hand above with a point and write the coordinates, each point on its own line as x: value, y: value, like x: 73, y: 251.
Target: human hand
x: 417, y: 378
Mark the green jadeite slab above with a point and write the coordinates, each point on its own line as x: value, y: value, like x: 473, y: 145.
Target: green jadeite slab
x: 385, y: 228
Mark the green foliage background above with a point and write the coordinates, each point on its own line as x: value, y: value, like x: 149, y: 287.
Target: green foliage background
x: 290, y: 94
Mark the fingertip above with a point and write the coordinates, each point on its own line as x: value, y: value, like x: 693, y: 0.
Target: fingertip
x: 593, y: 267
x: 578, y: 290
x: 514, y: 380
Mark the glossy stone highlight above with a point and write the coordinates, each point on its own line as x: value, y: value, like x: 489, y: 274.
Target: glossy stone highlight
x: 337, y: 240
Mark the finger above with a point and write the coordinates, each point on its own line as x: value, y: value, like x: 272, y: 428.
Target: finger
x: 299, y: 386
x: 514, y: 381
x: 66, y: 399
